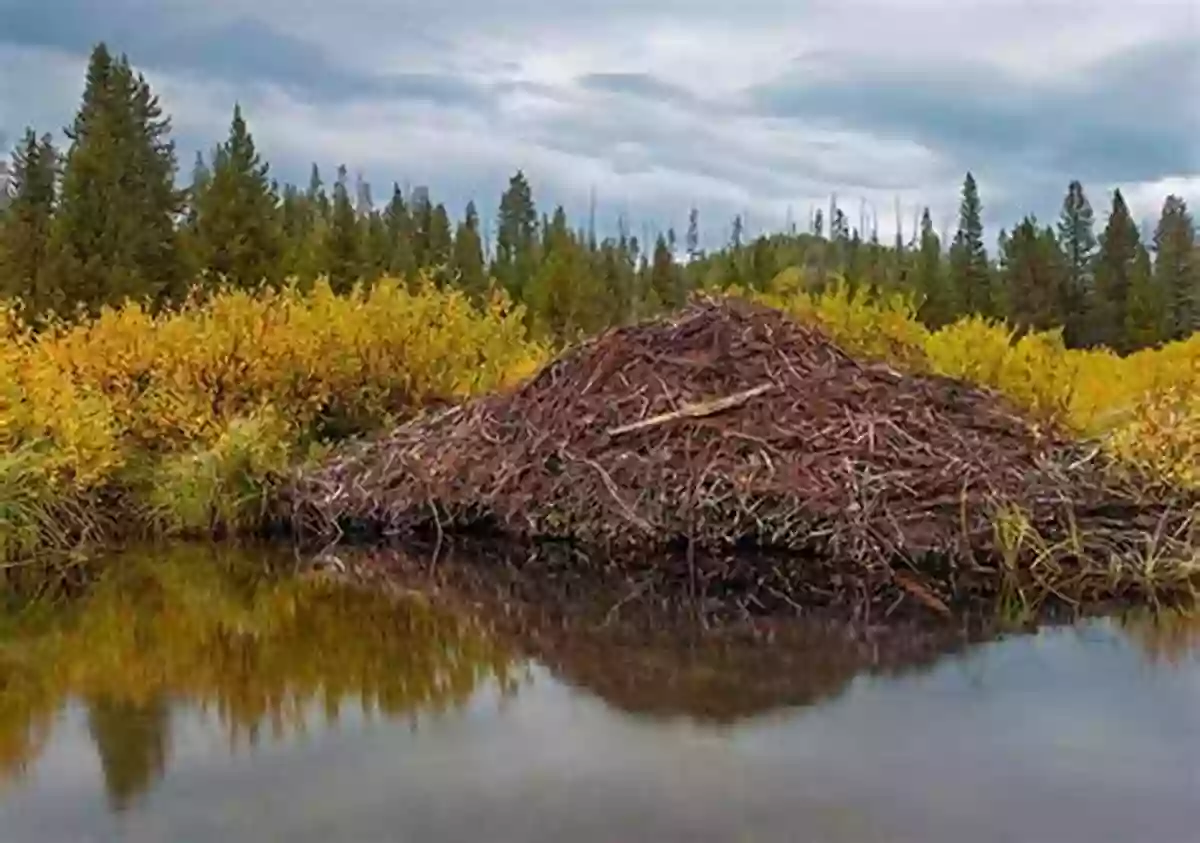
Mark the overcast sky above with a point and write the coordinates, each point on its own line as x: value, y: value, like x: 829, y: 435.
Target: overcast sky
x: 753, y: 107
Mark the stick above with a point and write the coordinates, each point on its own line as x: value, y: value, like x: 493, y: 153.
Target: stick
x: 698, y: 410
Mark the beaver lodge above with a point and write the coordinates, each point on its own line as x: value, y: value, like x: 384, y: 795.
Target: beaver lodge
x: 730, y: 453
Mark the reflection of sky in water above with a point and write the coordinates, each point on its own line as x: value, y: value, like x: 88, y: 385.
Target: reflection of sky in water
x: 1064, y: 736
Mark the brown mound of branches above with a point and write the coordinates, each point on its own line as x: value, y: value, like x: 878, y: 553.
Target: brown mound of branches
x: 730, y: 424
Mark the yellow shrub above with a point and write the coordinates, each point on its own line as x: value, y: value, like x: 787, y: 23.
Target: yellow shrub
x: 880, y: 326
x: 1035, y: 371
x: 96, y: 398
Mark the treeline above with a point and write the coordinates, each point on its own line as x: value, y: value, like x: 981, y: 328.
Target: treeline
x: 103, y: 218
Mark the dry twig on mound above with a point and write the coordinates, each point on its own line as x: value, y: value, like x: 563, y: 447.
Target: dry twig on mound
x: 728, y: 423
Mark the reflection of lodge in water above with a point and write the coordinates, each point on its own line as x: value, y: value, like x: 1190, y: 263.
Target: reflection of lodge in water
x: 208, y: 628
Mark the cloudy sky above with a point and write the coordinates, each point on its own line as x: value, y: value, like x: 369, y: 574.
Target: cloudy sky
x: 753, y: 107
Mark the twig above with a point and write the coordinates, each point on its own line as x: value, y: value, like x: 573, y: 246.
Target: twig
x: 697, y: 410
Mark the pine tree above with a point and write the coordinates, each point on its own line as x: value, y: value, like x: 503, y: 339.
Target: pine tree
x: 564, y: 297
x: 238, y: 233
x: 115, y: 231
x: 936, y: 308
x: 1077, y: 238
x: 516, y: 237
x: 421, y: 211
x: 664, y: 285
x: 440, y: 240
x: 762, y: 268
x: 1147, y: 319
x: 1033, y: 277
x: 399, y: 225
x: 468, y: 255
x: 317, y: 196
x: 970, y: 273
x: 1176, y: 270
x: 201, y: 179
x: 343, y: 255
x: 1115, y: 265
x: 26, y: 224
x: 377, y: 247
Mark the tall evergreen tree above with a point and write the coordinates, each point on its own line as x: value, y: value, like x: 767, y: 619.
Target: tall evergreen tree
x: 399, y: 225
x: 1077, y: 238
x: 26, y: 224
x: 1033, y: 277
x: 936, y: 308
x: 238, y: 234
x: 316, y: 194
x: 664, y: 287
x: 516, y: 236
x: 468, y: 254
x: 1147, y: 319
x: 565, y: 298
x: 440, y: 240
x: 343, y: 255
x: 1176, y: 270
x: 1115, y: 266
x: 970, y: 273
x: 115, y: 231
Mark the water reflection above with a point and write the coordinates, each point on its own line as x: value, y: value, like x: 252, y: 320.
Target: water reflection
x: 191, y: 696
x: 132, y: 739
x: 211, y: 627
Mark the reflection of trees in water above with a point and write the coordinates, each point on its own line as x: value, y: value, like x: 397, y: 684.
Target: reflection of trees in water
x: 132, y: 738
x: 209, y: 629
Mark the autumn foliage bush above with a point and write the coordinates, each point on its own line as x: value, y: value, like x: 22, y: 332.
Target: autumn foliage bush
x: 183, y: 417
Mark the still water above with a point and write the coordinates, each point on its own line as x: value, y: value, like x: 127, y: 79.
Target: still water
x: 188, y: 697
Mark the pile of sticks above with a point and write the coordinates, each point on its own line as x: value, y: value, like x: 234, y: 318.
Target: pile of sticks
x: 730, y: 425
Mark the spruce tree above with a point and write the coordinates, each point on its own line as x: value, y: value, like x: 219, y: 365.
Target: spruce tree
x: 970, y: 273
x: 343, y: 251
x: 516, y: 237
x: 1147, y: 319
x: 1033, y: 277
x: 1077, y: 238
x: 936, y: 307
x: 1115, y: 265
x: 115, y: 231
x: 468, y: 255
x: 377, y: 247
x: 26, y: 223
x: 399, y: 225
x: 565, y: 299
x: 664, y: 287
x: 421, y: 211
x: 1176, y: 270
x: 238, y: 234
x: 440, y: 240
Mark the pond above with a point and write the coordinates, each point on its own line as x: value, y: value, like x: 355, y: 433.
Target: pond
x: 189, y: 694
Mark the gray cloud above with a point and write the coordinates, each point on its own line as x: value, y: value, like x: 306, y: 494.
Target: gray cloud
x: 747, y: 110
x: 1132, y: 118
x: 643, y: 85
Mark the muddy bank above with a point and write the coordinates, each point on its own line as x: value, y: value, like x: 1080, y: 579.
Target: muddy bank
x: 729, y: 426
